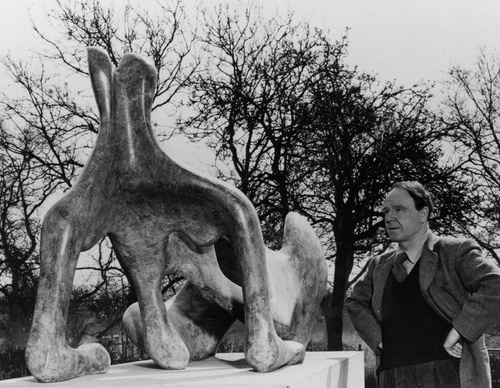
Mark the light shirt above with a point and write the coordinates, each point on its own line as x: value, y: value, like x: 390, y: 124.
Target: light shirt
x: 414, y: 251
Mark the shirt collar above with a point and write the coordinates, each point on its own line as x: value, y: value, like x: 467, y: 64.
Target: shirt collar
x: 415, y: 250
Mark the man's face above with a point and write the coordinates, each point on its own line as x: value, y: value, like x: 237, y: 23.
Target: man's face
x: 403, y: 221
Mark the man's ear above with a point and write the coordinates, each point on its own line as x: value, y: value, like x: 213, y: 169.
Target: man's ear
x: 424, y: 214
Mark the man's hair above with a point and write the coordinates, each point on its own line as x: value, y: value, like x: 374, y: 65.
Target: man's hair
x: 419, y: 193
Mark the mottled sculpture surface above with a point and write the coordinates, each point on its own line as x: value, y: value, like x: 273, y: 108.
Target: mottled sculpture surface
x: 163, y: 218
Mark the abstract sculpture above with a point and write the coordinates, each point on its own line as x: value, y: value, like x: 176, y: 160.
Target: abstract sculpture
x: 163, y: 218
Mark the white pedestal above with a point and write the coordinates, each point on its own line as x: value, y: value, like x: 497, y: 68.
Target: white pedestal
x: 319, y: 370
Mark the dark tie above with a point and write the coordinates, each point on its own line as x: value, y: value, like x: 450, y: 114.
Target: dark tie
x: 399, y: 270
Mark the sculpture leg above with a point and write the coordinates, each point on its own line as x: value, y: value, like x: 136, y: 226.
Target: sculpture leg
x: 48, y: 356
x: 160, y: 338
x: 264, y: 350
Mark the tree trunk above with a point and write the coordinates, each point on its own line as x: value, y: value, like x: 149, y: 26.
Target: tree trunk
x: 334, y: 321
x: 344, y: 231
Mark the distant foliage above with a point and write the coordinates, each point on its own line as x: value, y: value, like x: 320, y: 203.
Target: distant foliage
x: 12, y: 362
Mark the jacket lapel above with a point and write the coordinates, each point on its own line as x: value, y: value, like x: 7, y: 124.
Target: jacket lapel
x: 428, y: 264
x: 380, y: 275
x: 428, y: 268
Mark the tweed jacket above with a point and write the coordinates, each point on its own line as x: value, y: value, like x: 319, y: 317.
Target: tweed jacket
x: 456, y: 281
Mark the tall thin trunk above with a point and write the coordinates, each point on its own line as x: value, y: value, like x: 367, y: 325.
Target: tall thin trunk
x: 344, y: 232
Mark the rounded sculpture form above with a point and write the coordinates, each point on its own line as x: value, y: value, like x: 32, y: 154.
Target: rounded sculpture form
x: 162, y: 218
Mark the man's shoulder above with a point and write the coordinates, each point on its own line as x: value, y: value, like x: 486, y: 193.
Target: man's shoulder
x: 456, y: 246
x: 451, y: 241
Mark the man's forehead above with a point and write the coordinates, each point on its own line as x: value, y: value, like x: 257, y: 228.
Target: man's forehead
x: 399, y: 197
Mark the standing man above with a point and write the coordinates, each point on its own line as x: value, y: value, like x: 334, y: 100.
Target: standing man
x: 424, y: 306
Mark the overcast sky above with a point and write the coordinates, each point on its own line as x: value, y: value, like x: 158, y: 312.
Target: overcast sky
x: 410, y: 40
x: 400, y: 40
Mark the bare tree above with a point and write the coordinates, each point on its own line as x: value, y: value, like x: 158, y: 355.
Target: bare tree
x: 472, y: 116
x: 18, y: 240
x: 246, y: 104
x: 295, y: 129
